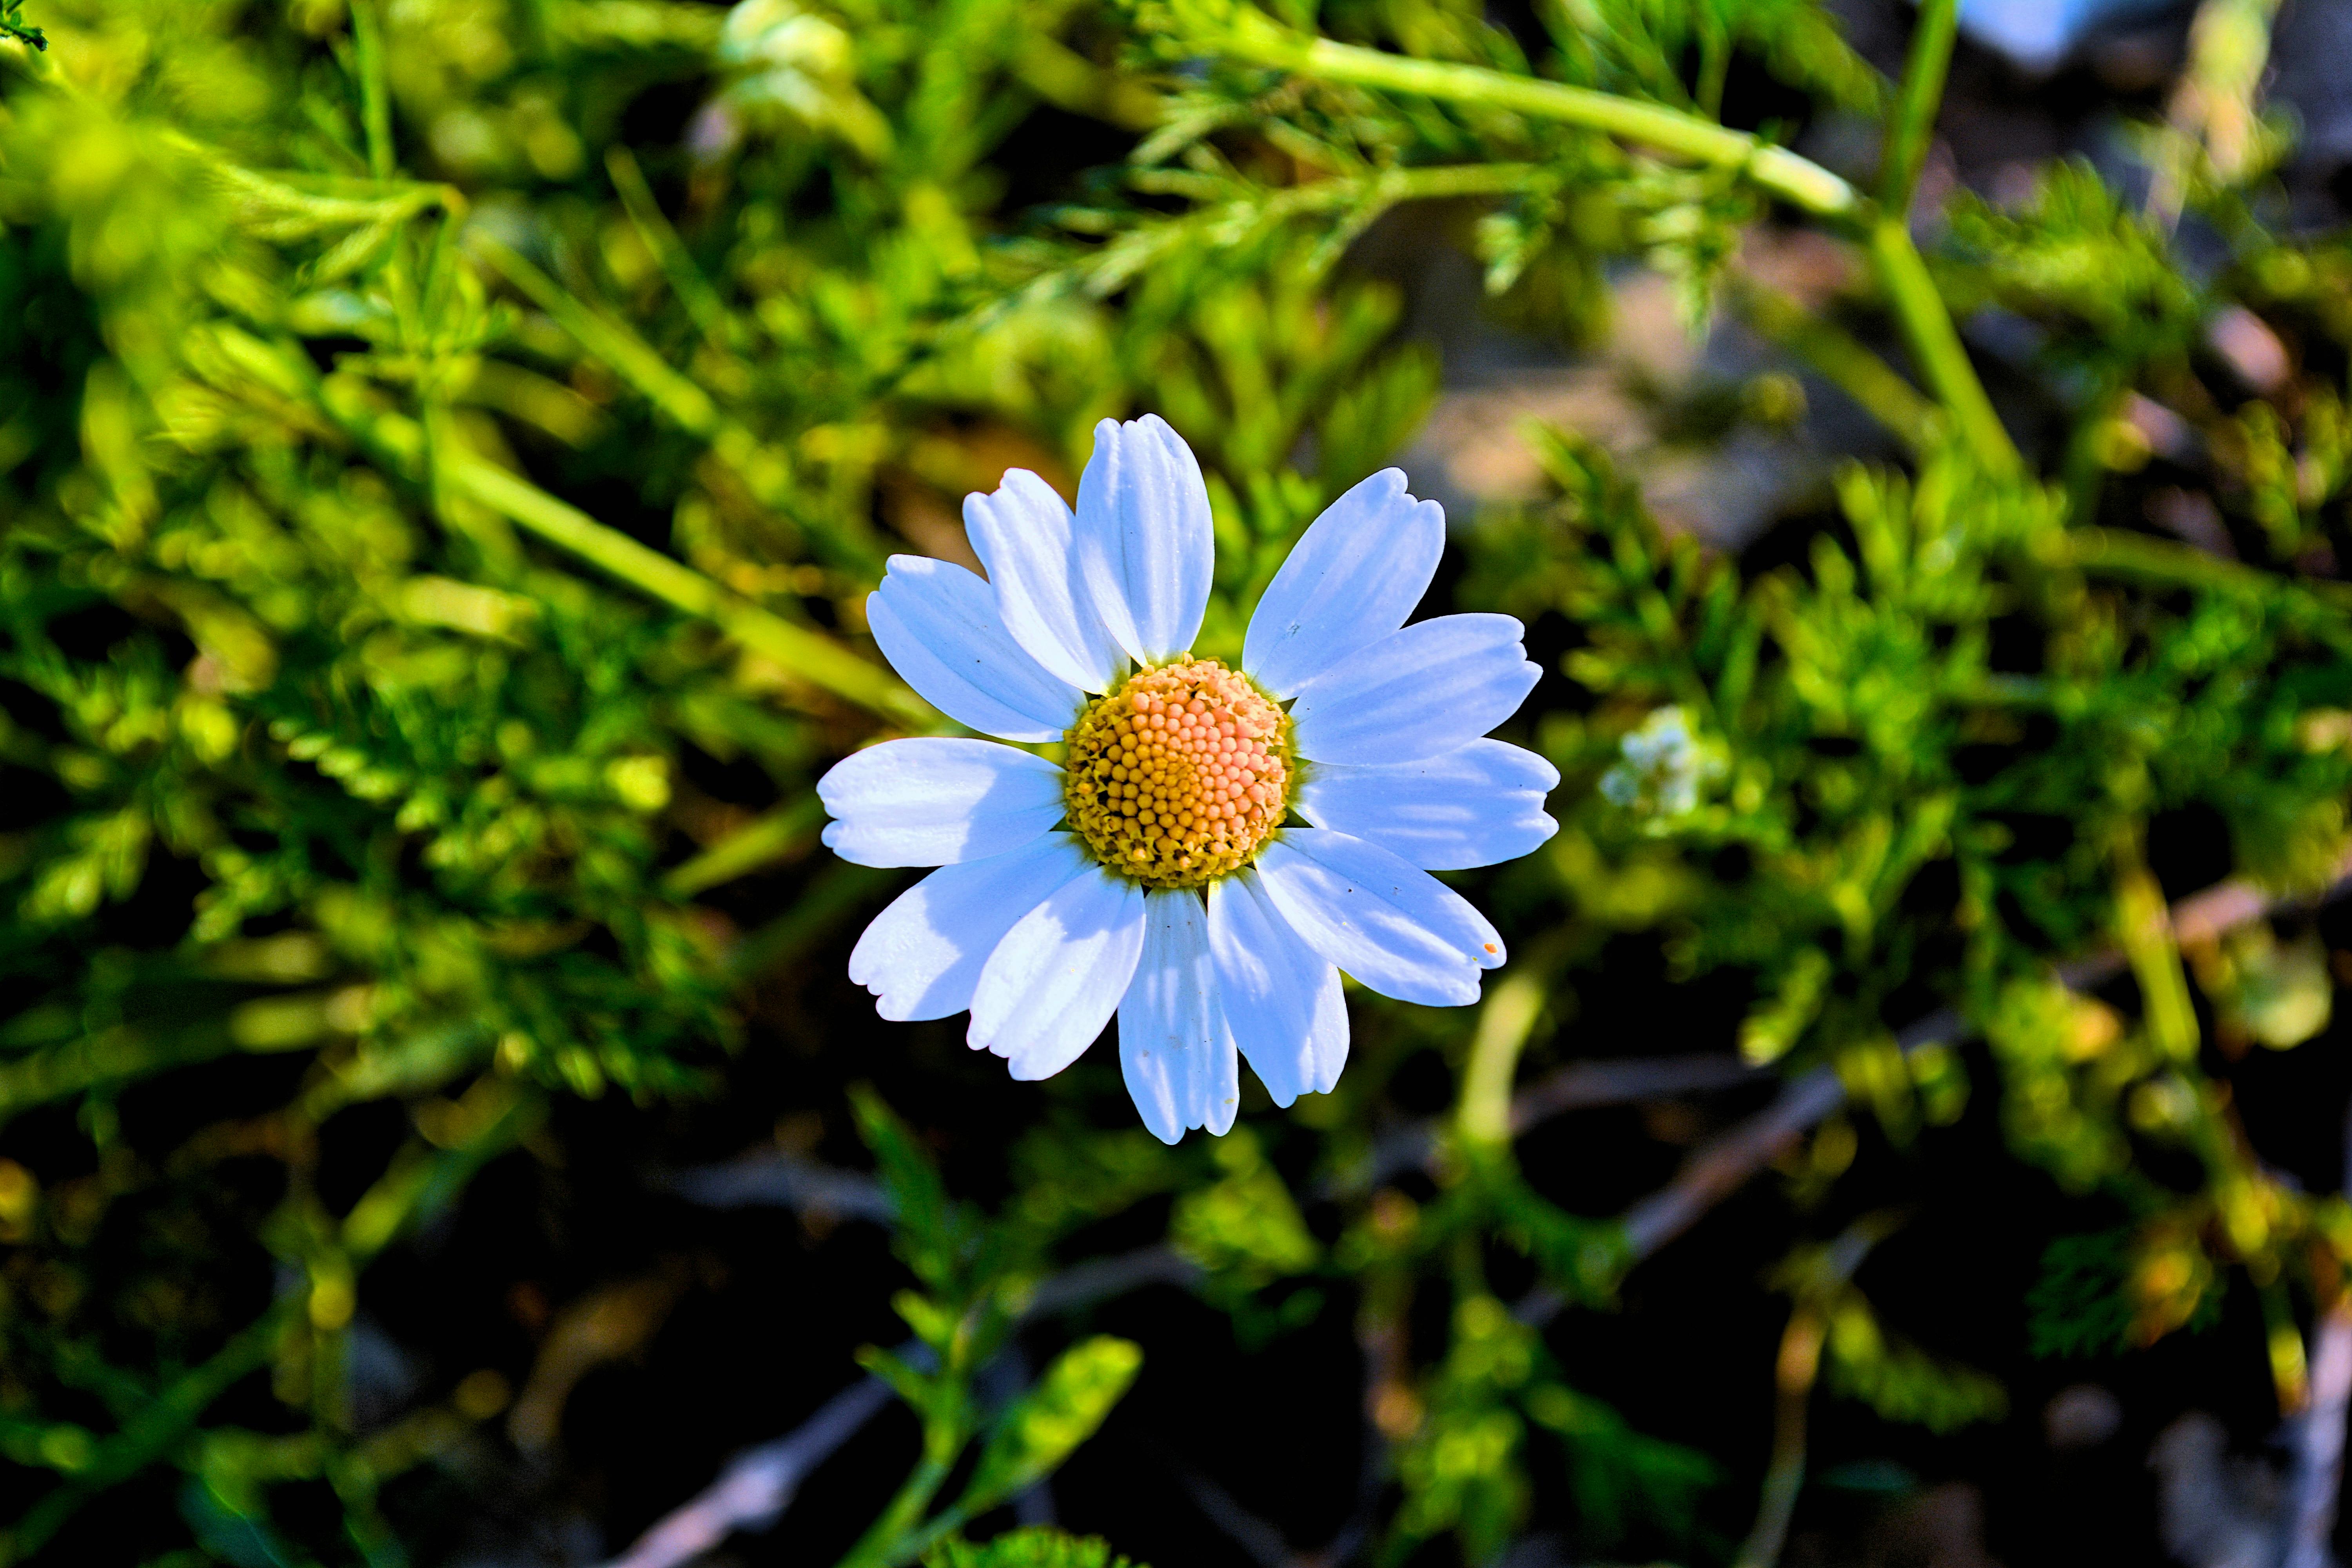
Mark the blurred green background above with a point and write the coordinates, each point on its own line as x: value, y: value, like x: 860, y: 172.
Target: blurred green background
x: 444, y: 447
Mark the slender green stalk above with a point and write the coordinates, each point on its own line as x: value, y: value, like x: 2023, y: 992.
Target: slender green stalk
x: 937, y: 1528
x: 763, y: 468
x: 1794, y: 1373
x: 422, y: 1181
x: 1926, y: 325
x: 375, y: 96
x: 1935, y: 342
x: 2144, y: 931
x: 2290, y: 1366
x: 1439, y: 182
x: 149, y: 1435
x: 686, y: 280
x: 635, y: 360
x: 758, y: 843
x: 107, y: 1056
x: 399, y: 443
x: 1838, y: 355
x: 1068, y: 79
x: 1715, y: 68
x: 807, y: 654
x: 1798, y: 181
x: 885, y: 1542
x: 1915, y: 110
x: 1358, y: 195
x: 2162, y: 563
x: 1505, y: 1022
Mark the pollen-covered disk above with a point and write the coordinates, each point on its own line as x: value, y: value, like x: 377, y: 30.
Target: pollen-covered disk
x: 1179, y: 776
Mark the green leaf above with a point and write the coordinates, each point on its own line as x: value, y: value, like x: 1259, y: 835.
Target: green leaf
x: 11, y: 26
x: 1041, y: 1428
x: 912, y: 1384
x: 933, y: 1235
x: 1038, y: 1546
x: 1247, y: 1225
x: 1900, y: 1381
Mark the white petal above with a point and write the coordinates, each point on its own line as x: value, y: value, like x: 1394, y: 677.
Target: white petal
x: 1476, y: 805
x: 1220, y: 1088
x: 923, y: 954
x: 1172, y: 1044
x: 1281, y: 997
x: 934, y: 802
x: 1393, y: 926
x: 1144, y: 540
x: 1023, y: 536
x: 1428, y: 688
x: 1353, y: 577
x: 937, y: 623
x: 1056, y: 979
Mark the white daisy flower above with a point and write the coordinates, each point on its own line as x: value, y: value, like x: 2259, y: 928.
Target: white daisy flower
x: 1218, y: 844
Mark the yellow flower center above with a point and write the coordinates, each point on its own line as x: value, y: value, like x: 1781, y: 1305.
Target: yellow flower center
x: 1179, y: 776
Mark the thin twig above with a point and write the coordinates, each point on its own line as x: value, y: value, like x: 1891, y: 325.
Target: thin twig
x: 1579, y: 1085
x: 1258, y: 1538
x: 753, y: 1490
x: 1100, y: 1279
x: 771, y: 1178
x: 2319, y: 1442
x: 1582, y: 1085
x: 1723, y: 1166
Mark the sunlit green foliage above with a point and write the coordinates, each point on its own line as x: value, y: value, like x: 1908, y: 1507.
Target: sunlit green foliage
x: 444, y: 447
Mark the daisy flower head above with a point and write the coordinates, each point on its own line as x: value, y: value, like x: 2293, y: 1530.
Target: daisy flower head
x: 1217, y: 845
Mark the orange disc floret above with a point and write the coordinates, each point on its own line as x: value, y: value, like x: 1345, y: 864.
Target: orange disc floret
x: 1179, y: 776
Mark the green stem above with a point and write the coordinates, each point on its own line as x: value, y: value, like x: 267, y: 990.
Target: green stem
x: 878, y: 1547
x: 1484, y: 1117
x: 1915, y: 110
x: 2161, y: 562
x: 149, y: 1435
x: 763, y: 468
x: 936, y: 1530
x: 685, y: 404
x: 375, y: 97
x: 808, y: 654
x: 2144, y: 931
x: 686, y: 280
x: 396, y: 442
x: 1802, y: 184
x: 1793, y: 1374
x: 111, y: 1054
x: 1935, y: 342
x: 1838, y: 355
x: 758, y: 843
x: 1926, y: 325
x: 1437, y: 183
x: 1715, y: 68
